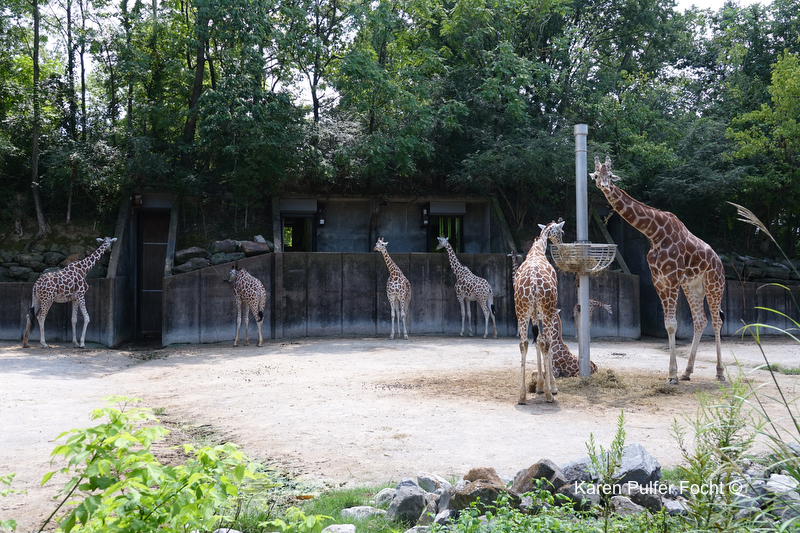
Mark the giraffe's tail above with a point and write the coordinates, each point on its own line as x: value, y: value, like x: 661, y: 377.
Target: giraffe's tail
x: 535, y: 332
x: 722, y: 315
x: 260, y: 316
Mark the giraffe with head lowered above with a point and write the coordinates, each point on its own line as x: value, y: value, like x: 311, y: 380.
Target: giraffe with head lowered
x: 398, y: 290
x: 248, y: 291
x: 65, y: 285
x: 678, y: 260
x: 565, y: 364
x: 536, y: 299
x: 470, y: 287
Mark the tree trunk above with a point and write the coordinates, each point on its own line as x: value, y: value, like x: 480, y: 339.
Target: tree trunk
x: 197, y: 90
x: 37, y: 201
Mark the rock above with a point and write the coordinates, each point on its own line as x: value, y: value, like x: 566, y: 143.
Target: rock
x: 526, y: 480
x: 648, y: 496
x: 361, y: 512
x: 20, y: 272
x: 53, y: 258
x: 464, y: 493
x: 623, y: 506
x: 75, y: 249
x: 340, y: 528
x: 229, y: 257
x: 193, y: 264
x: 676, y: 507
x: 432, y: 483
x: 638, y: 466
x: 577, y: 471
x: 779, y: 483
x: 483, y: 473
x: 260, y: 239
x: 428, y: 514
x: 384, y: 497
x: 187, y: 254
x: 582, y: 495
x: 226, y: 246
x: 253, y: 248
x: 445, y: 516
x: 418, y: 529
x: 408, y: 503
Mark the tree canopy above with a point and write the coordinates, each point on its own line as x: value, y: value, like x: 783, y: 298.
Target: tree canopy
x: 406, y: 97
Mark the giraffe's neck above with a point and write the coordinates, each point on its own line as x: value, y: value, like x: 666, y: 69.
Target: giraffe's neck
x: 539, y: 245
x: 393, y: 270
x: 82, y: 267
x: 637, y: 214
x: 458, y: 269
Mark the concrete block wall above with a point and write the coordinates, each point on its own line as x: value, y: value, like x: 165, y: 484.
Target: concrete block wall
x: 332, y: 293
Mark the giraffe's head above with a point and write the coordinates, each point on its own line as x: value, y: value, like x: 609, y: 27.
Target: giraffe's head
x: 442, y: 243
x: 380, y: 246
x: 602, y: 175
x: 553, y: 231
x: 108, y: 241
x: 233, y: 274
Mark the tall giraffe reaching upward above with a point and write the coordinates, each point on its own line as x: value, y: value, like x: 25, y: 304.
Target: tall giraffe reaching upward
x: 398, y: 289
x: 536, y: 299
x: 65, y: 285
x: 678, y: 260
x: 470, y: 287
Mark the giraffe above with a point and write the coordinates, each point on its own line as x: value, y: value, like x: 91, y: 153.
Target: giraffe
x: 565, y: 364
x: 398, y: 289
x: 593, y: 304
x: 678, y: 260
x: 248, y: 291
x: 514, y: 255
x: 65, y: 285
x: 535, y: 299
x: 470, y: 287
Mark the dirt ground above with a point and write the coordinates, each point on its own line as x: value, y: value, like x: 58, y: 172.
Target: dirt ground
x: 347, y: 411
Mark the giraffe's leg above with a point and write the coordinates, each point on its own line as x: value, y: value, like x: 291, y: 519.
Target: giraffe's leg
x: 260, y: 337
x: 469, y: 314
x: 85, y: 314
x: 247, y: 311
x: 695, y: 294
x: 238, y: 322
x: 74, y: 322
x: 403, y: 315
x: 523, y: 350
x: 490, y: 307
x: 714, y: 305
x: 549, y: 330
x: 669, y: 301
x: 41, y: 316
x: 393, y: 305
x: 461, y: 301
x: 486, y: 319
x: 29, y: 316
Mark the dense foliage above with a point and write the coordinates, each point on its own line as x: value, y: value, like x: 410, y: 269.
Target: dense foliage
x: 409, y: 97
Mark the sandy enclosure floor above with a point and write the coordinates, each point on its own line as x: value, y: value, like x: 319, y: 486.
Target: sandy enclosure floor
x: 346, y: 411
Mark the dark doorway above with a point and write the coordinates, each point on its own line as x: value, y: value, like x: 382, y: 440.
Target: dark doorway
x: 299, y: 234
x: 153, y: 231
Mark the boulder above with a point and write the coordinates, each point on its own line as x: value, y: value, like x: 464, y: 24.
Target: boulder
x: 227, y: 257
x: 193, y: 264
x: 340, y: 528
x: 623, y: 506
x: 53, y: 258
x: 185, y: 255
x: 432, y: 483
x: 227, y: 246
x: 19, y: 272
x: 384, y: 497
x: 464, y: 493
x: 483, y: 473
x: 251, y: 248
x: 361, y: 512
x: 638, y: 466
x: 582, y: 495
x: 526, y: 480
x: 408, y: 503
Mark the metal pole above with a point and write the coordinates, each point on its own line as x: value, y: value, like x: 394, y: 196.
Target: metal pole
x: 582, y: 228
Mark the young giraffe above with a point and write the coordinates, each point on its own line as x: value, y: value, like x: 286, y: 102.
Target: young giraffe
x: 248, y: 291
x: 470, y: 287
x: 678, y: 260
x: 565, y: 364
x: 514, y: 255
x: 535, y: 299
x: 398, y: 289
x: 65, y: 285
x: 593, y: 304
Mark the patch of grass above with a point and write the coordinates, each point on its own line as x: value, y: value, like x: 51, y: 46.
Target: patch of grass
x: 331, y: 503
x: 780, y: 369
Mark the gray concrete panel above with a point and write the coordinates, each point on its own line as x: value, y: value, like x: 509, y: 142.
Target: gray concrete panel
x: 359, y: 295
x: 181, y: 302
x: 325, y: 294
x: 294, y: 307
x: 426, y: 272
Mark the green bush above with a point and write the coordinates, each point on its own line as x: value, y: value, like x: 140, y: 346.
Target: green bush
x: 118, y: 485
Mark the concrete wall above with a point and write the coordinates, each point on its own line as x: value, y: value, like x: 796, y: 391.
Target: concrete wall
x: 329, y: 294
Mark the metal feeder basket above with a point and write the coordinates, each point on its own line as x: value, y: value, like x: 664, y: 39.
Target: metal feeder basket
x: 583, y: 258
